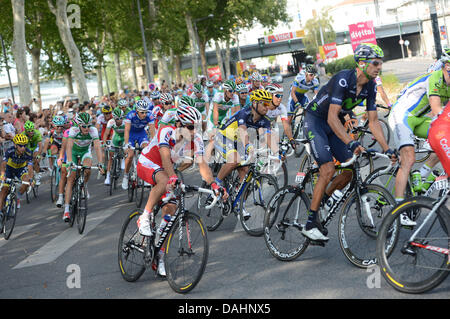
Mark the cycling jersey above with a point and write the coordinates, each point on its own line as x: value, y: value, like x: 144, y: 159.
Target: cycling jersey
x: 341, y: 90
x: 137, y: 128
x: 439, y: 138
x: 280, y: 111
x: 33, y: 141
x: 82, y: 142
x: 56, y: 138
x: 16, y: 165
x: 210, y: 94
x: 200, y: 103
x: 223, y: 107
x: 244, y: 117
x: 251, y: 88
x: 301, y: 86
x: 103, y: 122
x: 119, y: 132
x: 169, y: 117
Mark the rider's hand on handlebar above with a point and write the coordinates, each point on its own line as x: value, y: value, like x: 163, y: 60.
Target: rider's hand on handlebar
x: 355, y: 147
x: 392, y: 154
x: 219, y: 190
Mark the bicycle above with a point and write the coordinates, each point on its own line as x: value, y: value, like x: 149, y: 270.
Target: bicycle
x: 33, y: 189
x: 363, y: 208
x: 136, y: 185
x: 117, y: 158
x: 55, y: 177
x: 271, y: 164
x: 78, y: 202
x: 248, y: 196
x: 186, y: 239
x: 8, y: 219
x: 417, y: 260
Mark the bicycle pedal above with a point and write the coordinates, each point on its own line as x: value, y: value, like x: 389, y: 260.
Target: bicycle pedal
x: 317, y: 243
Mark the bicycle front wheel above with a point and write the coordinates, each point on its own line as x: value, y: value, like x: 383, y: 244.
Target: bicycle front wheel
x: 359, y: 222
x: 422, y: 264
x: 10, y: 219
x: 131, y: 249
x: 82, y: 208
x: 254, y: 200
x: 213, y: 217
x: 186, y: 254
x: 286, y: 215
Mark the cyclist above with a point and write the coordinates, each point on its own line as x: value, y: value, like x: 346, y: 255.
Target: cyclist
x: 255, y: 82
x: 233, y: 141
x: 439, y: 135
x: 155, y: 165
x: 201, y: 102
x: 56, y: 136
x: 244, y: 97
x: 81, y: 137
x: 62, y: 163
x: 210, y: 90
x: 116, y: 125
x: 222, y: 102
x: 35, y: 145
x: 303, y: 83
x: 135, y: 132
x: 124, y: 105
x: 17, y: 162
x: 408, y: 119
x: 326, y: 133
x: 165, y: 114
x: 102, y: 119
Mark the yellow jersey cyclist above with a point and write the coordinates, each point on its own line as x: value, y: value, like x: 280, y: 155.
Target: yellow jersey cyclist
x: 35, y: 146
x: 326, y: 133
x: 82, y: 135
x: 17, y: 162
x: 409, y: 118
x: 232, y: 141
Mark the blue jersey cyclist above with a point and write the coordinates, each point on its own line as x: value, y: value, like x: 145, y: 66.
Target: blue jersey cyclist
x: 136, y: 123
x: 303, y: 83
x: 326, y: 133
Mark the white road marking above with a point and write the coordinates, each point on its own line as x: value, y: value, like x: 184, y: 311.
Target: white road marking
x: 17, y: 231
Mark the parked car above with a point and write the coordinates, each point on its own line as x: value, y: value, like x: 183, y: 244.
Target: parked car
x: 277, y: 78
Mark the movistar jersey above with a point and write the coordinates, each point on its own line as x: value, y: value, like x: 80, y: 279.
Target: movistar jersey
x: 341, y: 90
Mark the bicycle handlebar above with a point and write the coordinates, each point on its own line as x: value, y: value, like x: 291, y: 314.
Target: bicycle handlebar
x: 186, y: 188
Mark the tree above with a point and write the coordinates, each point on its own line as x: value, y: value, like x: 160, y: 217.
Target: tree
x: 19, y: 50
x: 312, y: 38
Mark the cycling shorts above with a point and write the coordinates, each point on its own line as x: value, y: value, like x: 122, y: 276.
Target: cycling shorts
x: 439, y: 138
x: 81, y: 155
x: 405, y: 126
x: 117, y: 140
x: 139, y: 137
x: 227, y: 147
x: 302, y: 99
x: 324, y: 142
x: 12, y: 172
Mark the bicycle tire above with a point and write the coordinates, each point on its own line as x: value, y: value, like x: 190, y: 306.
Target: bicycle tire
x: 421, y: 156
x: 282, y: 233
x: 53, y: 186
x: 82, y: 209
x: 213, y: 217
x: 130, y: 241
x: 73, y: 208
x: 430, y: 276
x: 254, y: 226
x: 310, y: 179
x: 139, y: 191
x: 357, y: 232
x: 131, y: 190
x: 372, y: 141
x: 197, y: 245
x: 112, y: 177
x: 10, y: 219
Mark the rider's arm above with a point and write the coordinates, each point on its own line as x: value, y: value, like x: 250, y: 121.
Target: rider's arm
x: 69, y: 146
x: 336, y: 125
x: 287, y: 128
x: 215, y: 114
x: 167, y: 164
x: 205, y: 170
x: 293, y: 96
x: 106, y: 134
x: 384, y: 96
x: 98, y: 150
x: 126, y: 134
x: 435, y: 104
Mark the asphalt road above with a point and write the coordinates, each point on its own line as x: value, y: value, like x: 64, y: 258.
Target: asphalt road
x: 39, y: 259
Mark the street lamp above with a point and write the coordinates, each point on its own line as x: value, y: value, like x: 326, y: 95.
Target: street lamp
x: 197, y: 39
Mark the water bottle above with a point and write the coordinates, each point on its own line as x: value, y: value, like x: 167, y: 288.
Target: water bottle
x: 430, y: 180
x: 416, y: 180
x: 334, y: 198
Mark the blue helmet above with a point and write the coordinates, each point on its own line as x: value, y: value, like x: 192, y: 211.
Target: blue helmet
x: 142, y: 106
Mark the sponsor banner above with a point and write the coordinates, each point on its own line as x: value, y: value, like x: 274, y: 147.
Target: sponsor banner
x: 330, y: 50
x: 284, y: 36
x: 214, y: 74
x: 362, y: 32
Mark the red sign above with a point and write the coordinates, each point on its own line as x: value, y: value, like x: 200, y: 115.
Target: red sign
x: 362, y: 32
x: 330, y: 50
x: 214, y: 74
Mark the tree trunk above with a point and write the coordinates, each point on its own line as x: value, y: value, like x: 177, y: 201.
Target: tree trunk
x: 118, y: 71
x: 202, y: 46
x: 171, y: 68
x: 19, y: 51
x: 69, y: 82
x: 99, y: 80
x: 192, y: 42
x: 60, y: 12
x: 177, y: 62
x: 152, y: 12
x: 133, y: 70
x: 35, y: 55
x: 219, y: 59
x: 227, y: 59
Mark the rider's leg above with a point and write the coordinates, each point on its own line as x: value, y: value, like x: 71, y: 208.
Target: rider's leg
x: 407, y: 159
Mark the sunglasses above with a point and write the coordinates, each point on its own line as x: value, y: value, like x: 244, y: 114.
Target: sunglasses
x: 243, y: 92
x: 266, y: 104
x: 142, y: 112
x: 84, y: 126
x: 20, y: 145
x: 278, y: 96
x: 190, y: 127
x: 376, y: 63
x: 168, y: 103
x: 231, y: 91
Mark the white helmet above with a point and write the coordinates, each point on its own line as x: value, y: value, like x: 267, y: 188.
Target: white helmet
x: 142, y: 105
x: 188, y: 115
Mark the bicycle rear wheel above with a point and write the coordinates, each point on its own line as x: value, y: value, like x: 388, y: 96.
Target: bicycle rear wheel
x: 285, y: 216
x: 139, y: 191
x: 213, y: 217
x: 53, y: 185
x: 254, y: 200
x: 186, y: 254
x: 359, y: 222
x: 82, y: 208
x: 421, y: 265
x: 131, y: 249
x: 10, y: 218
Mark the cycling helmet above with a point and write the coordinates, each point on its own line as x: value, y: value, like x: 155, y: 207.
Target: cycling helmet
x: 186, y: 101
x: 122, y: 103
x: 166, y: 97
x: 197, y: 88
x: 256, y: 76
x: 242, y: 88
x: 274, y: 88
x: 188, y: 115
x: 229, y: 85
x: 118, y: 113
x: 28, y: 126
x: 142, y: 106
x: 209, y: 84
x: 106, y: 108
x: 155, y: 95
x: 20, y: 139
x: 310, y: 69
x: 83, y: 118
x: 58, y: 120
x: 368, y: 51
x: 261, y: 95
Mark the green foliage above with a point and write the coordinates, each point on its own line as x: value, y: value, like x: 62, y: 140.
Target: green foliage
x: 312, y: 38
x: 340, y: 64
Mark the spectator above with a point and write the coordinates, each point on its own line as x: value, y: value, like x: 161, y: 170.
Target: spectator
x: 21, y: 118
